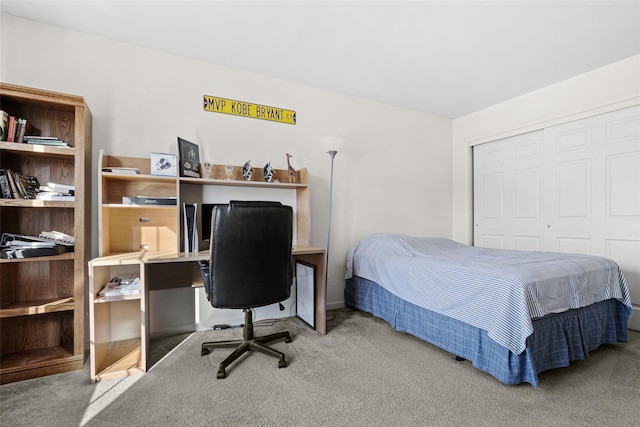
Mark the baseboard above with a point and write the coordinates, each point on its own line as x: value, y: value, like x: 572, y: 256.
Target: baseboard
x: 335, y: 305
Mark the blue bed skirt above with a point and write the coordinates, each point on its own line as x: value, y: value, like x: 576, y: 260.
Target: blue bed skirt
x: 557, y: 339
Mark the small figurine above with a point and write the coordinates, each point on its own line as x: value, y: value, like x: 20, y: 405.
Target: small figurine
x: 269, y: 172
x: 229, y: 171
x: 247, y: 171
x: 292, y: 171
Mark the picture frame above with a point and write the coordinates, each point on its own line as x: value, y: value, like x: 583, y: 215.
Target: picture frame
x: 305, y: 293
x: 164, y: 164
x: 189, y: 158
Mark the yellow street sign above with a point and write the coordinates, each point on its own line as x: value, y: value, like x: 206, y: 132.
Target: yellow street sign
x: 246, y: 109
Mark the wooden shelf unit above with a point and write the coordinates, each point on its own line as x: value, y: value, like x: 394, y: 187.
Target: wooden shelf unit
x: 132, y: 236
x: 42, y: 309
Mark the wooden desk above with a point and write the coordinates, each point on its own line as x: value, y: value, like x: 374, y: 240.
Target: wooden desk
x: 113, y: 357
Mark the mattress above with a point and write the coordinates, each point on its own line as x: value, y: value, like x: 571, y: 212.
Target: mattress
x: 498, y: 291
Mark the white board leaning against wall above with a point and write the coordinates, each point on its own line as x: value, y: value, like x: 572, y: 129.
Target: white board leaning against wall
x: 571, y: 188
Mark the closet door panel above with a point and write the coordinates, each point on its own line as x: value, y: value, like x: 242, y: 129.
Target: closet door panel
x: 507, y: 186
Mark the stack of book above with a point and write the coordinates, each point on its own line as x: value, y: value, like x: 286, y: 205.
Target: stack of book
x: 55, y: 191
x: 44, y: 140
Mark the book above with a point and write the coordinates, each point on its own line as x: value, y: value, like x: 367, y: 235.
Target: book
x: 21, y: 126
x: 45, y: 141
x: 49, y: 237
x: 57, y: 237
x: 30, y: 244
x: 121, y: 170
x: 148, y: 200
x: 60, y: 188
x: 12, y: 184
x: 54, y: 196
x: 4, y: 124
x: 21, y: 252
x: 5, y: 188
x: 189, y: 158
x: 11, y: 129
x: 27, y: 185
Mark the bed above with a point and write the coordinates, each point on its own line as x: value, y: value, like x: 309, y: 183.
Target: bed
x: 512, y: 314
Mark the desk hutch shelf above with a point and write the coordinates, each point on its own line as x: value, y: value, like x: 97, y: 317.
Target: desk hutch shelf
x: 147, y: 240
x: 42, y: 309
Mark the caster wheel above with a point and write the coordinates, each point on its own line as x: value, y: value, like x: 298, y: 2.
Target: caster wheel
x: 282, y: 364
x: 205, y: 351
x: 287, y: 339
x: 221, y: 374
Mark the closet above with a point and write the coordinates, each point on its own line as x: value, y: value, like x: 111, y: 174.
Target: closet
x: 572, y: 188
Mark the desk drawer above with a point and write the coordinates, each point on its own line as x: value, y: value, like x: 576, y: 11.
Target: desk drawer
x: 130, y: 229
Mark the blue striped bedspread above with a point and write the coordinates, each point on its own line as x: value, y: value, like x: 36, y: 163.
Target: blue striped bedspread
x: 499, y: 291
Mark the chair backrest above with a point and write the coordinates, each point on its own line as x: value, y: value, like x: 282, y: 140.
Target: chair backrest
x: 250, y: 254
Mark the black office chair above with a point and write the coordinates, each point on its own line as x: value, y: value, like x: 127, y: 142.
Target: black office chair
x: 249, y: 266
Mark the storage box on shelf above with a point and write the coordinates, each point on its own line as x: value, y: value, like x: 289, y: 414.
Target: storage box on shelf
x: 42, y: 310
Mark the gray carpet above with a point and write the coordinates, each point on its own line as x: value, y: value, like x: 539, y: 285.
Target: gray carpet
x: 362, y: 373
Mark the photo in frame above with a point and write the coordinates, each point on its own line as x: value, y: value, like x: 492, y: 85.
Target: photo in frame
x: 164, y: 164
x: 305, y: 292
x: 189, y: 158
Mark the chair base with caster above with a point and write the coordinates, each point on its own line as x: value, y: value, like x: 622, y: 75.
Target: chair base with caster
x: 248, y: 343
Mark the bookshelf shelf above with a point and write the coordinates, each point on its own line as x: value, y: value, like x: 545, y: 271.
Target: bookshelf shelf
x: 44, y: 361
x: 38, y: 150
x: 101, y: 300
x: 29, y: 308
x: 42, y: 299
x: 24, y: 203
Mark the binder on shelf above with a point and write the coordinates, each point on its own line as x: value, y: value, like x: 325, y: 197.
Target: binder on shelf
x: 190, y: 228
x: 26, y: 252
x: 149, y: 201
x: 61, y: 188
x: 57, y: 237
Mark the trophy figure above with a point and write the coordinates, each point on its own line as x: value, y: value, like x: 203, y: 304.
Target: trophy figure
x: 247, y: 171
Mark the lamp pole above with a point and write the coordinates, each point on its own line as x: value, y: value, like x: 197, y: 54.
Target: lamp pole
x: 332, y: 154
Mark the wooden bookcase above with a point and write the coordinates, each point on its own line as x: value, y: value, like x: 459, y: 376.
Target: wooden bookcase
x: 131, y: 238
x: 42, y: 299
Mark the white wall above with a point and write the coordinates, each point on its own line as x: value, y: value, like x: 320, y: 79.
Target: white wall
x: 393, y: 175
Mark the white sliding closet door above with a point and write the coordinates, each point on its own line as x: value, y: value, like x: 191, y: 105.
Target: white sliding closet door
x: 572, y: 188
x: 507, y: 193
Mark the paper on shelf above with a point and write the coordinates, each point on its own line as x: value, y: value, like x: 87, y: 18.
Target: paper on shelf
x: 121, y: 286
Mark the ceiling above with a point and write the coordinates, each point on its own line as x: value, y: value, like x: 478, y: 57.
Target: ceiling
x: 444, y: 58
